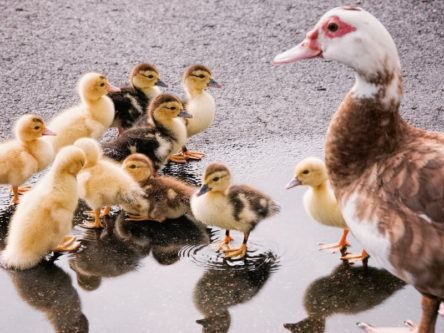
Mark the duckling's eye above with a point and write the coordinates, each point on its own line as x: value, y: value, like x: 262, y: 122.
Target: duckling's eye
x: 36, y: 127
x: 132, y: 166
x: 102, y: 84
x: 305, y: 172
x: 216, y: 179
x: 333, y: 27
x: 150, y: 76
x: 201, y: 76
x: 173, y: 108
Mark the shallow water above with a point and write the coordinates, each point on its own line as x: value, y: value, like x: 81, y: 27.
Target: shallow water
x: 152, y: 277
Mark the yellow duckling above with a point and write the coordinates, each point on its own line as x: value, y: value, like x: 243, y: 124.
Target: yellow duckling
x: 91, y: 118
x: 238, y: 207
x: 199, y: 103
x: 44, y: 216
x: 167, y: 197
x: 26, y: 155
x: 320, y: 202
x: 132, y: 101
x: 102, y: 183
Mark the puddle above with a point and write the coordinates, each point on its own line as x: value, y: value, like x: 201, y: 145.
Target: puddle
x: 167, y: 277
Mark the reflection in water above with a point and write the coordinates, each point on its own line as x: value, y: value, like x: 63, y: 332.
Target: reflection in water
x: 49, y: 289
x: 5, y: 217
x: 346, y: 290
x: 117, y: 249
x: 220, y: 289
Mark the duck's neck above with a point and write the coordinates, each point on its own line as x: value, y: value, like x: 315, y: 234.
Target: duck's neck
x: 192, y: 92
x: 101, y: 109
x: 365, y: 128
x: 320, y: 189
x: 151, y: 92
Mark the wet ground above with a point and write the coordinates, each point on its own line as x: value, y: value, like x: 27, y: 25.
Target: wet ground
x: 149, y: 277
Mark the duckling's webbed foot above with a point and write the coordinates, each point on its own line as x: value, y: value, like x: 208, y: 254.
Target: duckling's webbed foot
x: 193, y: 155
x: 97, y: 224
x: 335, y: 247
x: 178, y: 158
x: 353, y: 257
x: 16, y: 191
x: 69, y: 244
x: 225, y: 243
x: 105, y: 212
x: 239, y: 252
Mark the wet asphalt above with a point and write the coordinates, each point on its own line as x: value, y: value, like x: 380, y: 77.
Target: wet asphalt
x: 166, y: 278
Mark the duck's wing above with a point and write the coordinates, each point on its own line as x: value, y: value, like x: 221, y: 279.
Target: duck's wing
x: 129, y: 105
x: 135, y: 140
x: 251, y: 205
x: 414, y: 178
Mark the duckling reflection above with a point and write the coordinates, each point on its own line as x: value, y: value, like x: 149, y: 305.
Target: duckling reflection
x: 49, y: 289
x: 117, y: 250
x: 221, y: 288
x: 347, y: 290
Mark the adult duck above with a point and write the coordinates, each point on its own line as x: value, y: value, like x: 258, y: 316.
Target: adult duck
x: 388, y: 176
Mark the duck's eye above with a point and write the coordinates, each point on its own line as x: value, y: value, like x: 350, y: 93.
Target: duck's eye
x: 173, y: 108
x: 305, y: 172
x: 333, y: 27
x: 150, y: 76
x: 102, y: 84
x: 132, y: 166
x: 216, y: 179
x: 37, y: 127
x: 201, y: 76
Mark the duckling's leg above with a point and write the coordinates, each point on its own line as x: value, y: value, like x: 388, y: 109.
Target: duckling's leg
x: 224, y: 244
x: 241, y: 251
x: 68, y: 244
x: 105, y: 212
x: 15, y: 195
x: 192, y: 155
x: 357, y: 257
x: 334, y: 247
x: 97, y: 224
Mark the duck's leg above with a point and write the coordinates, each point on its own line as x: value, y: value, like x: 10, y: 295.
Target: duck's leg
x: 334, y: 247
x: 68, y: 244
x: 224, y: 244
x: 105, y: 212
x: 352, y: 257
x: 192, y: 155
x: 241, y: 251
x: 97, y: 224
x: 430, y: 308
x: 15, y: 195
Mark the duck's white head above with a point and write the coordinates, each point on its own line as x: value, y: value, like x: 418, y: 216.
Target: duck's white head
x: 91, y: 148
x: 139, y: 167
x: 311, y: 171
x: 352, y: 36
x: 92, y: 86
x: 216, y: 178
x: 30, y: 127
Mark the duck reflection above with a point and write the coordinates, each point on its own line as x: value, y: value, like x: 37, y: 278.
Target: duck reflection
x: 223, y: 287
x: 346, y: 290
x: 49, y: 289
x: 118, y: 248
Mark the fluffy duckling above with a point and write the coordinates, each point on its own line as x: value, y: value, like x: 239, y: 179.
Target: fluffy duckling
x: 91, y: 118
x: 167, y: 197
x: 238, y: 207
x: 131, y: 102
x: 26, y: 155
x: 103, y: 183
x: 199, y: 103
x: 44, y: 216
x: 320, y: 202
x: 164, y: 134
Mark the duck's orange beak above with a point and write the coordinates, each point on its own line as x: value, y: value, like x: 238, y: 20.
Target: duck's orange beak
x: 307, y: 49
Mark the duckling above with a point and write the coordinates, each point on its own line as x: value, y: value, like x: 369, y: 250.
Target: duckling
x: 238, y: 207
x: 131, y: 102
x: 167, y: 197
x: 103, y: 183
x: 199, y: 103
x: 26, y: 155
x: 321, y: 204
x: 162, y: 136
x: 45, y: 214
x: 91, y: 118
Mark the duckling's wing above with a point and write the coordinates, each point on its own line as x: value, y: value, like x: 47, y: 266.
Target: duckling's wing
x: 135, y: 140
x: 251, y: 205
x: 129, y: 106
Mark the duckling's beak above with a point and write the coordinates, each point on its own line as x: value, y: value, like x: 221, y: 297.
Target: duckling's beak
x: 308, y: 48
x: 214, y: 84
x: 294, y: 182
x: 160, y: 83
x: 47, y: 131
x: 203, y: 189
x: 110, y: 88
x: 184, y: 114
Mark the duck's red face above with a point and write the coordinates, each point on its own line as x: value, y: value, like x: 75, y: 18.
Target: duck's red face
x: 316, y: 40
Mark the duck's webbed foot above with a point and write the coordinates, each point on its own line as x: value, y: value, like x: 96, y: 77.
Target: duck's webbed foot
x: 105, y: 212
x: 193, y: 155
x: 353, y: 257
x: 239, y: 252
x: 69, y: 244
x: 97, y: 224
x: 225, y: 243
x: 178, y: 158
x: 16, y: 191
x: 340, y: 246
